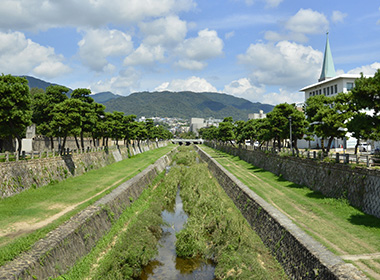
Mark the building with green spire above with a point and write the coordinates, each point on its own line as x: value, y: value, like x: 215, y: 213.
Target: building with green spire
x: 329, y: 84
x: 328, y: 69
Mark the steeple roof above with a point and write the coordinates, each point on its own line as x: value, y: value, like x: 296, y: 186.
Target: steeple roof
x: 328, y: 69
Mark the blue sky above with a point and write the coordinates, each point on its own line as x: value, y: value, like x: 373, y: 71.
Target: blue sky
x: 260, y: 50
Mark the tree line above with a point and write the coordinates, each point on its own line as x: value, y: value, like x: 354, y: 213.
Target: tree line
x: 57, y: 115
x: 357, y: 111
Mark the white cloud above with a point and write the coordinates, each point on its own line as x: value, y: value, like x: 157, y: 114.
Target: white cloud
x: 207, y: 45
x: 145, y: 55
x: 195, y: 50
x: 276, y: 37
x: 42, y: 14
x: 98, y: 44
x: 366, y: 69
x: 193, y: 83
x: 190, y: 64
x: 269, y: 3
x: 273, y: 3
x: 285, y: 64
x: 19, y: 55
x: 168, y: 31
x: 229, y: 35
x: 338, y: 16
x: 283, y: 96
x: 123, y: 84
x: 303, y: 23
x: 244, y: 89
x: 308, y: 22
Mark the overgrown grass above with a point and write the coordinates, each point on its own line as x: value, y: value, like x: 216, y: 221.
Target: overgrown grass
x: 132, y: 241
x: 216, y: 229
x: 343, y: 229
x: 34, y: 205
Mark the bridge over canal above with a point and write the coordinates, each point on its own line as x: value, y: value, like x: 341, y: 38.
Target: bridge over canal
x: 187, y: 142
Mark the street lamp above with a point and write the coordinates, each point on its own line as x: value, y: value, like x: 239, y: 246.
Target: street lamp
x: 290, y: 127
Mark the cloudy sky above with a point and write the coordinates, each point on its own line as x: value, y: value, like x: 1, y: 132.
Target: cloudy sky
x: 261, y: 50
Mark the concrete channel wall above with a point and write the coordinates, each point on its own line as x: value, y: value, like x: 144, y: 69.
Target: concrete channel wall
x: 300, y: 255
x: 17, y: 176
x: 64, y: 246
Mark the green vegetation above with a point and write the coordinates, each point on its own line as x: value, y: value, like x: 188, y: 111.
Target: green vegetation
x: 340, y: 227
x: 56, y: 115
x: 132, y: 240
x: 15, y: 107
x: 216, y: 229
x: 36, y: 206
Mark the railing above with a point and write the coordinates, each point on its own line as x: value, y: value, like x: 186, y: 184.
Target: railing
x: 343, y: 156
x: 14, y: 156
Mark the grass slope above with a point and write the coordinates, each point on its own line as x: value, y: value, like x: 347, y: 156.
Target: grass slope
x: 36, y: 205
x: 342, y: 228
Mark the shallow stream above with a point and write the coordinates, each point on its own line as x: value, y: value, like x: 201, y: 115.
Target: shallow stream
x: 167, y: 265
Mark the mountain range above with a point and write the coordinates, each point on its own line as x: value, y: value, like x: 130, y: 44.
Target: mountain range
x: 184, y: 104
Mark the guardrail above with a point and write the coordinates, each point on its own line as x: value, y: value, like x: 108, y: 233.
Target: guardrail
x: 14, y: 156
x: 343, y: 156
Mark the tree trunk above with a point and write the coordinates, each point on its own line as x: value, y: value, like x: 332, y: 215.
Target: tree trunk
x: 356, y: 146
x: 52, y: 142
x: 19, y: 140
x: 63, y: 144
x: 76, y: 141
x: 329, y: 145
x: 81, y: 140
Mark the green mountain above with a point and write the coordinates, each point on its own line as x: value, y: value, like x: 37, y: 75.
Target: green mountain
x: 186, y: 105
x: 103, y: 97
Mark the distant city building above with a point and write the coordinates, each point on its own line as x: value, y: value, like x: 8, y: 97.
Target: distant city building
x: 196, y: 124
x: 256, y: 116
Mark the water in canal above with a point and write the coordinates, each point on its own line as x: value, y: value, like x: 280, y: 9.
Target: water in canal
x: 167, y: 265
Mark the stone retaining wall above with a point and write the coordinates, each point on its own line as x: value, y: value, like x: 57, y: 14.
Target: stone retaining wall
x: 300, y: 255
x: 17, y: 176
x: 64, y: 246
x: 360, y: 186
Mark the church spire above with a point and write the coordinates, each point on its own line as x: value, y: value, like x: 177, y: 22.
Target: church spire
x: 328, y: 69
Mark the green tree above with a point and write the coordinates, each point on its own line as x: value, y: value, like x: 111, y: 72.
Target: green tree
x: 66, y: 119
x: 226, y: 130
x: 117, y: 129
x: 209, y: 133
x: 365, y: 97
x: 239, y: 132
x: 42, y: 106
x: 15, y: 107
x: 98, y: 129
x: 328, y: 116
x: 362, y: 126
x: 279, y: 120
x: 130, y: 128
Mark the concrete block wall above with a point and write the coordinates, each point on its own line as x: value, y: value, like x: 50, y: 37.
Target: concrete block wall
x: 64, y: 246
x: 360, y: 186
x: 20, y: 175
x: 300, y: 255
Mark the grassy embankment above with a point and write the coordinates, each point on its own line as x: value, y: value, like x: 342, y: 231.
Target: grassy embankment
x: 30, y: 215
x: 215, y: 229
x: 343, y: 229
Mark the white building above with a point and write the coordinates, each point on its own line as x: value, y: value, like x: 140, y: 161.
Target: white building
x: 256, y: 116
x: 196, y: 124
x: 329, y: 84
